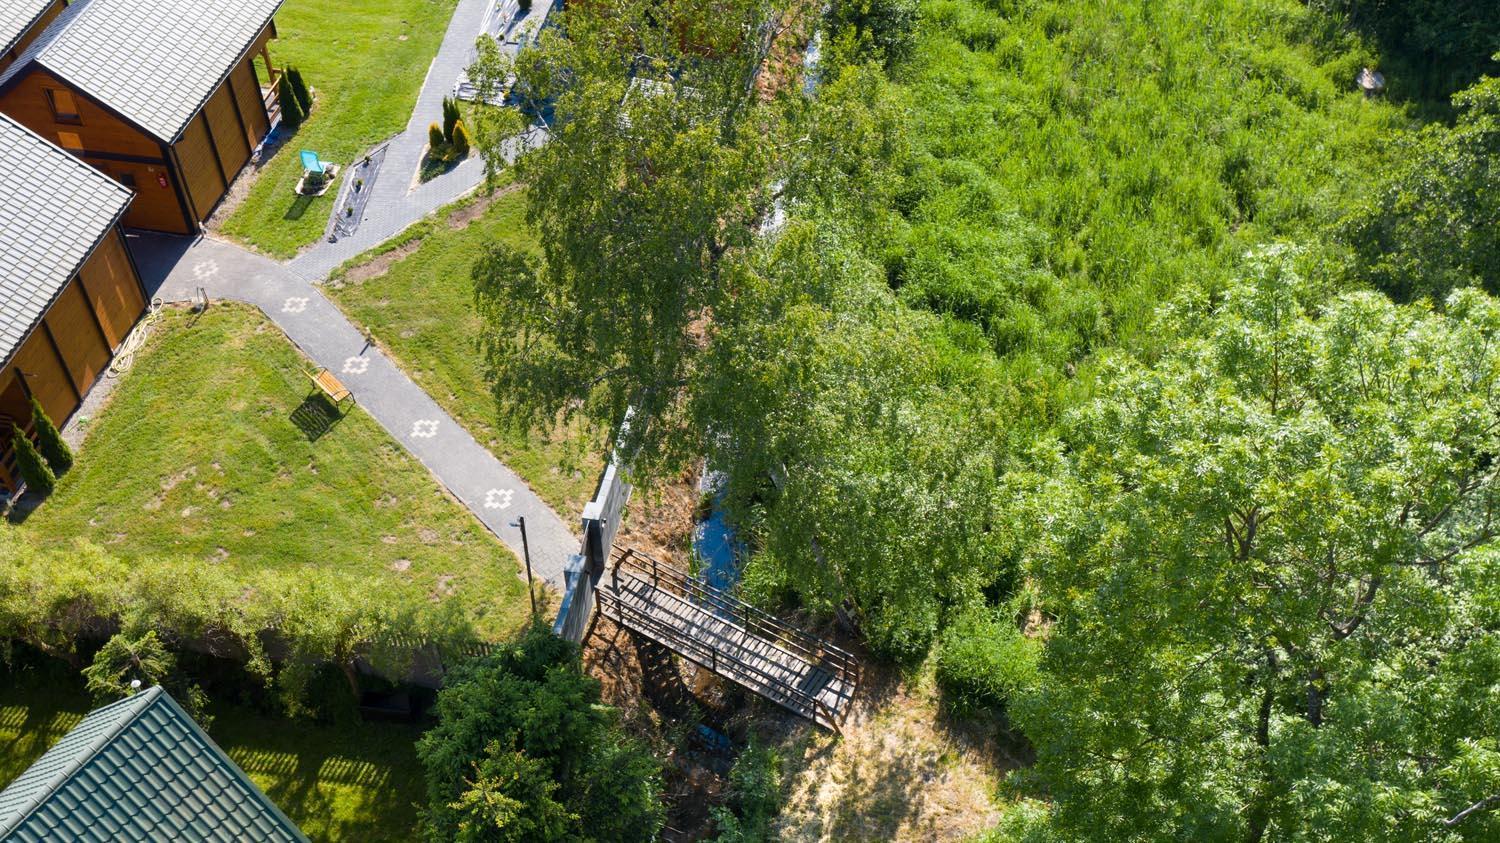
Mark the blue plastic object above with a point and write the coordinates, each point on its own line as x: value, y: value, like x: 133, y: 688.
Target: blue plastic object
x: 310, y: 162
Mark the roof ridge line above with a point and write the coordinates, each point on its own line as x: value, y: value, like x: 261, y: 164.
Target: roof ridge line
x: 84, y: 7
x: 34, y: 18
x: 142, y: 701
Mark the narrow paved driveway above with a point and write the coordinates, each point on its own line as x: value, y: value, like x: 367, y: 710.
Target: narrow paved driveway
x: 178, y: 266
x: 395, y: 203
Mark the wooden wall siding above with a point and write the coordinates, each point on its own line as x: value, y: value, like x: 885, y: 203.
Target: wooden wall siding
x: 109, y: 280
x: 155, y: 206
x: 228, y: 137
x: 200, y: 168
x: 85, y: 351
x: 13, y: 404
x: 45, y: 374
x: 100, y: 130
x: 252, y: 106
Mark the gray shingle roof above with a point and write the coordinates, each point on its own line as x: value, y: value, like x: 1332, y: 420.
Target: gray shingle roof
x: 54, y: 209
x: 138, y: 770
x: 154, y: 61
x: 16, y: 17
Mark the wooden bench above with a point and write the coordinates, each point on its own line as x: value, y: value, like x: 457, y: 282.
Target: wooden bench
x: 331, y: 386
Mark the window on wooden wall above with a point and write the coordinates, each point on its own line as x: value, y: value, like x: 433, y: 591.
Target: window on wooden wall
x: 70, y: 141
x: 64, y: 106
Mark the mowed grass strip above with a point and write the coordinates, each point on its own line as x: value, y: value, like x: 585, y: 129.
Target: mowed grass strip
x: 366, y: 60
x: 418, y: 303
x: 216, y: 450
x: 356, y: 782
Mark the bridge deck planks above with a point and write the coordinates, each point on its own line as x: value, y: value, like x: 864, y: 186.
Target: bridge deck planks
x: 754, y: 662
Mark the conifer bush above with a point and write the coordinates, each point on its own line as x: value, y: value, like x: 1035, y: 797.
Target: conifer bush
x: 461, y: 144
x: 451, y: 116
x: 49, y: 440
x: 34, y: 471
x: 300, y: 90
x: 291, y: 110
x: 435, y: 137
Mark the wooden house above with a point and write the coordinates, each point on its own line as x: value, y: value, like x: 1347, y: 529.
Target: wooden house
x: 69, y: 291
x: 162, y: 95
x: 21, y: 21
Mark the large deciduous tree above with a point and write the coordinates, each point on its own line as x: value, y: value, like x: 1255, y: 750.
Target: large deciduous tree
x: 656, y: 170
x: 1269, y: 560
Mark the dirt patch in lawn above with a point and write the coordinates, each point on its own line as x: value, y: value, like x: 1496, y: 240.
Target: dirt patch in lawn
x: 461, y: 217
x: 379, y: 265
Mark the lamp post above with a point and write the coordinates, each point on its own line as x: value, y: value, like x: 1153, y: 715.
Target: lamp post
x: 526, y: 552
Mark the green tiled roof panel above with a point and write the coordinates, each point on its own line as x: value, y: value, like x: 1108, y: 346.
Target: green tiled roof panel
x: 138, y: 770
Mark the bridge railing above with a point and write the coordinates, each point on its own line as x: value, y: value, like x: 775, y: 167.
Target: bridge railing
x: 761, y: 624
x: 601, y: 521
x: 715, y: 660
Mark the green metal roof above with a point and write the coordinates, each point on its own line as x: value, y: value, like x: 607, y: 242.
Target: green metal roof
x: 137, y: 770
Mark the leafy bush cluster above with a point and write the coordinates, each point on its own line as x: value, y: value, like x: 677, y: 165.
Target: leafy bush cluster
x: 984, y: 660
x: 754, y: 796
x: 282, y: 627
x: 523, y: 751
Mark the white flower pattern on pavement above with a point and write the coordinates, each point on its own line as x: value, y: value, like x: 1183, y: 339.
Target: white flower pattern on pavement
x: 204, y: 270
x: 356, y: 365
x: 424, y: 428
x: 295, y: 304
x: 498, y: 498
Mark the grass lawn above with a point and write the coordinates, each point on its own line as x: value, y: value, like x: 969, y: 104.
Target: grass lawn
x: 359, y: 782
x: 366, y: 59
x: 418, y: 302
x: 213, y: 450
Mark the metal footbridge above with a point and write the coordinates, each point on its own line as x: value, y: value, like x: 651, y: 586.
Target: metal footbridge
x: 728, y: 637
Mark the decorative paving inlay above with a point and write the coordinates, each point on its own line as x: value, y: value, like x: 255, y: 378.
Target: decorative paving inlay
x: 424, y: 428
x: 295, y: 304
x: 356, y: 365
x: 204, y: 270
x: 498, y: 498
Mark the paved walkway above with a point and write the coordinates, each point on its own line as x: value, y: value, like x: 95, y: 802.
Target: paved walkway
x: 394, y: 203
x: 177, y: 266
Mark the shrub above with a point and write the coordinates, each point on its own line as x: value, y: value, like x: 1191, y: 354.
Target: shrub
x: 460, y: 141
x: 435, y: 138
x: 34, y: 471
x: 984, y: 660
x: 291, y: 110
x: 129, y: 657
x: 880, y: 29
x: 524, y: 751
x: 451, y: 116
x: 49, y: 440
x: 299, y: 90
x: 53, y: 593
x: 754, y: 797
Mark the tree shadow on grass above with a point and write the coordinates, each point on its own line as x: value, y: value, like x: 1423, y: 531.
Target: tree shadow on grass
x: 341, y: 782
x: 315, y: 417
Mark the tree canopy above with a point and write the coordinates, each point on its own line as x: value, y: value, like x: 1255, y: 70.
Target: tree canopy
x: 1270, y: 566
x: 523, y: 751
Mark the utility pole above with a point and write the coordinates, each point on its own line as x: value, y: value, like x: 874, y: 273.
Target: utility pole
x: 526, y: 552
